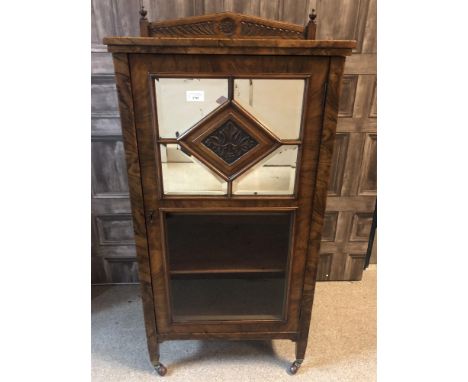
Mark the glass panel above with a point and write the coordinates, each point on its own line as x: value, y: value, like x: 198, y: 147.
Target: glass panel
x: 228, y: 266
x: 182, y: 102
x: 277, y: 103
x: 222, y: 298
x: 184, y: 174
x: 275, y: 175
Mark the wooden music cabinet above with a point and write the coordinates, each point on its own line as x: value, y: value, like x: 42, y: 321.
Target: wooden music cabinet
x: 228, y: 124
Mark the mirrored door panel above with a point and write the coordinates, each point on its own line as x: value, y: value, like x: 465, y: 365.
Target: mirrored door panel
x: 229, y: 136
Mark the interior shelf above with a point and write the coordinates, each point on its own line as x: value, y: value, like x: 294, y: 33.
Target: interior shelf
x: 222, y: 263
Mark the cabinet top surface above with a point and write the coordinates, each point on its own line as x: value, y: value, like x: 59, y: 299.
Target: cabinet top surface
x: 227, y: 46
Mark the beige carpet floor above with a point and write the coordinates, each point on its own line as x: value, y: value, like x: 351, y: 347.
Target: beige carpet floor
x: 342, y: 342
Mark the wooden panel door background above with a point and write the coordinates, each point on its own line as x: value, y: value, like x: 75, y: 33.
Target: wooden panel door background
x: 353, y: 181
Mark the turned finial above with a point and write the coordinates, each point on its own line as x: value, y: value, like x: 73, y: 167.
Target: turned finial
x: 313, y: 16
x: 311, y: 27
x: 143, y: 12
x: 143, y: 21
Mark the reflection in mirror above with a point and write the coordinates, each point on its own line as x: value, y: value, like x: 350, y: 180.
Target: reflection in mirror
x: 184, y: 174
x: 182, y: 102
x: 275, y: 175
x: 277, y: 103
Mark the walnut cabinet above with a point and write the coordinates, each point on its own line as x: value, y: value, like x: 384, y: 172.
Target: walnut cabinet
x: 228, y: 123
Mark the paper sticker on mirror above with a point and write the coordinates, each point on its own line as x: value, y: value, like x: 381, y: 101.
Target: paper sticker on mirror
x: 195, y: 95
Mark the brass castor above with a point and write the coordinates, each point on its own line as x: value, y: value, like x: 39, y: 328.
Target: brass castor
x: 295, y: 366
x: 161, y: 369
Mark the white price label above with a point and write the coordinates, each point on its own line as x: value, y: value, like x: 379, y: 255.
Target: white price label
x: 195, y: 95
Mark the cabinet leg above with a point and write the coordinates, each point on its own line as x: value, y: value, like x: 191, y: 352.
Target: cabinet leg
x: 301, y: 347
x: 154, y: 357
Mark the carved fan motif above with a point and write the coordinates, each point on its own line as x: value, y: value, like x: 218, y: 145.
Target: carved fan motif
x: 196, y: 29
x: 229, y: 142
x: 222, y: 25
x: 257, y: 29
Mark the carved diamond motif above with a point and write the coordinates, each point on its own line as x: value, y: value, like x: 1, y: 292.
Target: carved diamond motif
x: 229, y: 142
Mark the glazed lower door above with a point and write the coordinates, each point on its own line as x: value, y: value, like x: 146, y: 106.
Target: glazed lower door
x: 228, y: 266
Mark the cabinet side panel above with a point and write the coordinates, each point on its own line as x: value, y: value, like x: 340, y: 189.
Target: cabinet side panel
x: 122, y: 73
x: 320, y: 197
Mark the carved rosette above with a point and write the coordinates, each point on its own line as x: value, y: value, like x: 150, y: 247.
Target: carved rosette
x: 229, y: 142
x: 227, y: 26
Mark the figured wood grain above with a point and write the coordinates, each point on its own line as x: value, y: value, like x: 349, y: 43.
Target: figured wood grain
x: 124, y: 87
x: 223, y: 42
x: 319, y: 199
x: 248, y: 50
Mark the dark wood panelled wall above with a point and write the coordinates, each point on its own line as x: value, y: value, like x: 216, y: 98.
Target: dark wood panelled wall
x: 353, y: 183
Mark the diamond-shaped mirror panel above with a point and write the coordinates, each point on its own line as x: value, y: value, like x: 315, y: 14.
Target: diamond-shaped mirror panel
x: 185, y: 175
x: 229, y: 141
x: 182, y: 102
x: 276, y: 103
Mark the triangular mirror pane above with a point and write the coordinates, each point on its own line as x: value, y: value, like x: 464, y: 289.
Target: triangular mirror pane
x: 275, y: 175
x: 185, y: 175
